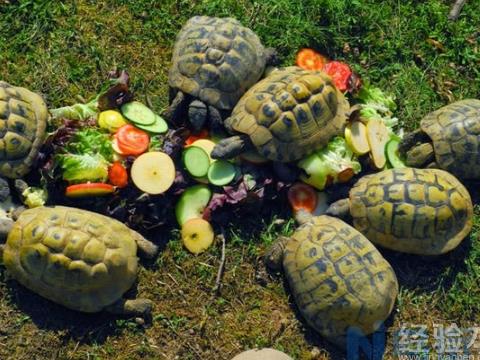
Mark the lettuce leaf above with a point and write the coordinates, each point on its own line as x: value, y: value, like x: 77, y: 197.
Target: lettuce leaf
x: 113, y: 94
x: 90, y: 141
x: 375, y: 104
x: 326, y: 165
x: 83, y: 168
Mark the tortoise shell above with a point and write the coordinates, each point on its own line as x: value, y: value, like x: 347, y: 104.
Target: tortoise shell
x: 23, y: 119
x: 339, y: 280
x: 216, y: 60
x: 76, y: 258
x: 290, y: 113
x: 418, y: 211
x: 455, y: 133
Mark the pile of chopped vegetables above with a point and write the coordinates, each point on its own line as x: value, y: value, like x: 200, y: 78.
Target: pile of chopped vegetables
x: 116, y: 155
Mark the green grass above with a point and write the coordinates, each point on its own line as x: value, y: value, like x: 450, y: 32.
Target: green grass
x: 64, y: 49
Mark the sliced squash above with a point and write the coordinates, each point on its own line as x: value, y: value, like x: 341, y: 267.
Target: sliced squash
x: 356, y: 137
x: 377, y: 134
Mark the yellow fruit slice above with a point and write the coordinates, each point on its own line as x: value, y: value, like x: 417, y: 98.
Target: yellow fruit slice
x: 356, y: 138
x: 197, y: 235
x: 153, y: 172
x: 377, y: 134
x: 206, y: 145
x: 111, y: 120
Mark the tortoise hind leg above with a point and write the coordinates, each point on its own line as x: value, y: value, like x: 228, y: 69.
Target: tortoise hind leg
x: 176, y: 110
x: 134, y: 307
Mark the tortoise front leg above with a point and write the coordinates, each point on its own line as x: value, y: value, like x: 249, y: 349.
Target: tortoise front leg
x: 412, y: 139
x: 197, y: 114
x: 231, y: 147
x: 421, y: 155
x: 134, y: 307
x: 340, y: 209
x: 174, y: 112
x: 216, y: 121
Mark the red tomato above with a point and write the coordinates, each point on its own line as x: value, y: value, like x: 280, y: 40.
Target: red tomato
x: 302, y: 196
x: 117, y: 175
x: 309, y: 59
x: 340, y: 74
x: 203, y: 134
x: 132, y: 141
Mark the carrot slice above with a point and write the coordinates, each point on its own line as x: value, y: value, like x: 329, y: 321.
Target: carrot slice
x: 89, y: 189
x: 203, y: 134
x: 132, y: 141
x: 117, y: 175
x: 302, y: 196
x: 309, y: 59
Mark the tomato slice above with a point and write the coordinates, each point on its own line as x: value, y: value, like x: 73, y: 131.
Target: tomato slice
x: 302, y: 196
x: 89, y: 189
x: 340, y: 74
x: 203, y: 134
x: 309, y: 59
x: 117, y: 175
x: 132, y: 141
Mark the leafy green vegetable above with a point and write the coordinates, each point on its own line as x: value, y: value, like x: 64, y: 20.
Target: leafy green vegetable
x: 156, y: 143
x: 83, y: 168
x: 34, y: 197
x: 329, y: 162
x: 113, y: 94
x: 375, y: 104
x: 91, y: 141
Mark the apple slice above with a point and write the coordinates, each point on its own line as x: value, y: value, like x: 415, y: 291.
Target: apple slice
x: 192, y: 203
x: 153, y: 172
x: 197, y: 235
x: 377, y: 134
x: 356, y: 138
x: 206, y: 145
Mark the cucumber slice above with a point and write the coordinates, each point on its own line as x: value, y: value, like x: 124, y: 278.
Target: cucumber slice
x: 158, y: 127
x: 221, y: 173
x: 392, y: 154
x: 196, y: 161
x: 138, y: 113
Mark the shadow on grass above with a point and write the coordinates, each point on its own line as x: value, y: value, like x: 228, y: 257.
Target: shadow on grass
x: 84, y: 328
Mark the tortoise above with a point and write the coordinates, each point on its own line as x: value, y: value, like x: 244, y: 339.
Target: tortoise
x: 23, y: 120
x: 340, y: 282
x: 285, y: 116
x: 416, y: 211
x: 76, y: 258
x: 215, y: 60
x: 449, y: 139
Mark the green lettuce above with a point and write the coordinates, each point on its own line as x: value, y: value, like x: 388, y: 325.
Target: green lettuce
x: 329, y: 163
x: 91, y: 141
x: 84, y: 168
x: 113, y: 94
x: 375, y: 104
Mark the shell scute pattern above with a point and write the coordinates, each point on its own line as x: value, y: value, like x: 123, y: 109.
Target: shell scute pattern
x: 54, y: 252
x: 339, y: 280
x: 419, y: 211
x: 216, y: 60
x: 455, y: 132
x: 23, y: 117
x: 290, y: 113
